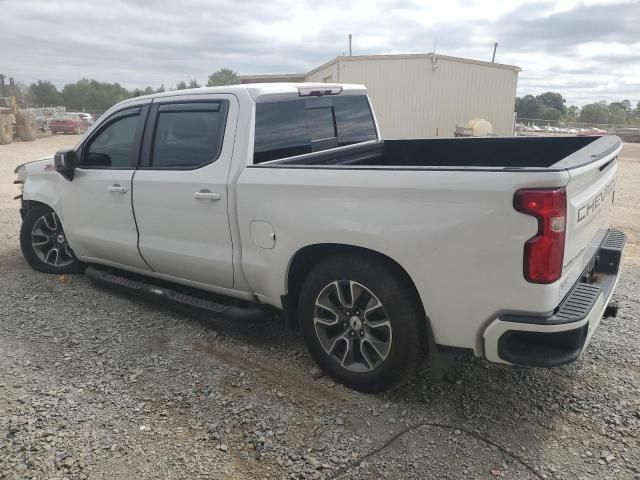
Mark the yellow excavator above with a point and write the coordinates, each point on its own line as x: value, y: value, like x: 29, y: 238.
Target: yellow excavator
x: 14, y: 120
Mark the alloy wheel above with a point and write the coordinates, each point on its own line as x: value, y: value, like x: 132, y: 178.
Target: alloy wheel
x: 49, y: 241
x: 352, y: 326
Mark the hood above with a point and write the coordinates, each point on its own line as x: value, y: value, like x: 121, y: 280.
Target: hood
x: 43, y: 164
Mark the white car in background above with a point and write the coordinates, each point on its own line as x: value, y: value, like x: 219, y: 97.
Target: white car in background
x: 87, y: 117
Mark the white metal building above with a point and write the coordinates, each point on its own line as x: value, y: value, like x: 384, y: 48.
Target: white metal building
x: 427, y: 95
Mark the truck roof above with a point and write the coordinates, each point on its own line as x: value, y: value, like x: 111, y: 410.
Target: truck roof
x: 261, y: 92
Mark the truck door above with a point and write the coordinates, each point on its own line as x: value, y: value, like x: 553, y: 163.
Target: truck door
x: 96, y: 205
x: 180, y: 190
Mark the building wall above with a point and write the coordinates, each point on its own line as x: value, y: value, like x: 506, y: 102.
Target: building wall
x: 327, y: 73
x: 414, y: 100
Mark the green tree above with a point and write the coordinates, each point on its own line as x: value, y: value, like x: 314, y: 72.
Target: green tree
x: 546, y: 106
x: 93, y: 95
x: 181, y: 85
x: 553, y: 100
x: 193, y: 84
x: 527, y: 107
x: 45, y: 93
x: 617, y: 115
x: 624, y: 105
x: 595, y: 113
x: 224, y: 76
x: 572, y: 113
x: 548, y: 113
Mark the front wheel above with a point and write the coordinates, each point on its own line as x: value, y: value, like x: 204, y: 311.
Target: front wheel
x: 362, y: 322
x: 44, y: 243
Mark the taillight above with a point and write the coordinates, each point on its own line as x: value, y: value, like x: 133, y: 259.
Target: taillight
x: 544, y: 253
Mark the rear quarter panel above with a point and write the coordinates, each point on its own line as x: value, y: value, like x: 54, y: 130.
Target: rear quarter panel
x: 456, y: 234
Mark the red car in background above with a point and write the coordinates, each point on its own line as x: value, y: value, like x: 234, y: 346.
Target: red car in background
x: 68, y: 123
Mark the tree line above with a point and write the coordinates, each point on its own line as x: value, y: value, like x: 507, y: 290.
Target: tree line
x: 92, y: 95
x: 553, y: 106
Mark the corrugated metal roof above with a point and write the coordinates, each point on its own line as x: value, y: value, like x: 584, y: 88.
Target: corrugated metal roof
x: 429, y: 56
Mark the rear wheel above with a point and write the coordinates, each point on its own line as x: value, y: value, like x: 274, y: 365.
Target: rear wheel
x: 44, y: 243
x: 362, y: 322
x: 6, y: 130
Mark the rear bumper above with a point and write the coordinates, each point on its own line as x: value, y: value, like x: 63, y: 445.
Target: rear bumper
x: 561, y: 337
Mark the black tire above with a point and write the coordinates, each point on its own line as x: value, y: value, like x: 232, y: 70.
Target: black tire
x: 408, y: 337
x: 69, y: 262
x: 6, y: 130
x: 28, y: 129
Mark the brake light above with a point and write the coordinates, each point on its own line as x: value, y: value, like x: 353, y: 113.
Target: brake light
x: 544, y: 253
x: 319, y: 90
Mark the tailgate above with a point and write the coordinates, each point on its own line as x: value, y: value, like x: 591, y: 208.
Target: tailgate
x: 590, y: 196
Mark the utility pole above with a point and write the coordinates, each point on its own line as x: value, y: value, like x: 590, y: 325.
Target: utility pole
x: 350, y: 53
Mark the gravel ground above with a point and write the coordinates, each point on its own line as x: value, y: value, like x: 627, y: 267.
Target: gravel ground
x: 96, y: 384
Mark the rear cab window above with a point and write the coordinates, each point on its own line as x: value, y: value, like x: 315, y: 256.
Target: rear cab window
x: 294, y: 127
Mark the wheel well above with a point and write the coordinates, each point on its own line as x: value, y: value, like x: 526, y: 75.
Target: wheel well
x: 307, y: 258
x: 29, y: 204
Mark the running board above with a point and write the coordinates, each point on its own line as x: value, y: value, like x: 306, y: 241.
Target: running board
x: 148, y: 289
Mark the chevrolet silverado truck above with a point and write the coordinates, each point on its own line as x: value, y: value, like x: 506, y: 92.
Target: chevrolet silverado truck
x: 284, y: 196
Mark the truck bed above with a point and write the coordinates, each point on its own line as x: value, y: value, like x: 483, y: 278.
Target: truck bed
x: 494, y: 152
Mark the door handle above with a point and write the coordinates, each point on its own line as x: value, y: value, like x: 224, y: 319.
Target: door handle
x: 117, y: 188
x: 207, y: 195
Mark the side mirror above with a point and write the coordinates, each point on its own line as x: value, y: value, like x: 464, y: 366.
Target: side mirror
x: 66, y: 162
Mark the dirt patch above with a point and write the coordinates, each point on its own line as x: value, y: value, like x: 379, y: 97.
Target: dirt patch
x: 626, y: 213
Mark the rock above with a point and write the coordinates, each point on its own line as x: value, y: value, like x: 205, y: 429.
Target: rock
x: 316, y: 372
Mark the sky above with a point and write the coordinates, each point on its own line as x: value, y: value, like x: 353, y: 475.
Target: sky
x: 587, y: 50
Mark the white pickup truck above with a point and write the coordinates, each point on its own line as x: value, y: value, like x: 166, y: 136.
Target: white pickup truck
x: 285, y: 196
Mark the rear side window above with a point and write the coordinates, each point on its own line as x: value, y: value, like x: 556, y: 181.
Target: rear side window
x: 281, y: 130
x: 188, y: 135
x: 295, y: 127
x: 354, y: 119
